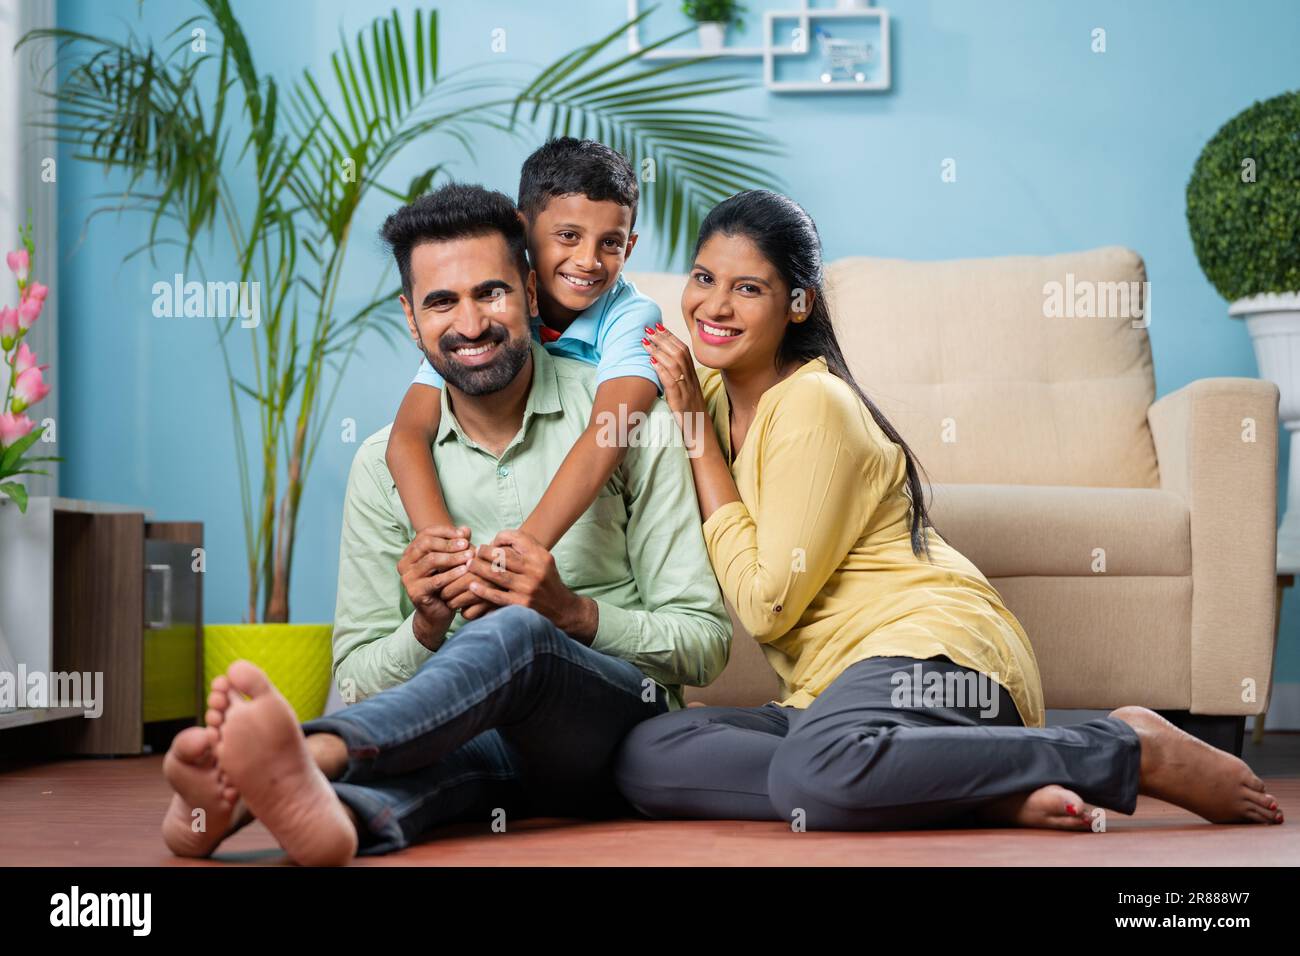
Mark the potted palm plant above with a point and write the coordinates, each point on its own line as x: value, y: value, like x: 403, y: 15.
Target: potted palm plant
x: 179, y: 125
x: 1243, y: 210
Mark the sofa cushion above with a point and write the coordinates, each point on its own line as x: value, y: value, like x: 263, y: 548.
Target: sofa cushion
x: 1107, y: 640
x: 987, y: 384
x: 1008, y: 530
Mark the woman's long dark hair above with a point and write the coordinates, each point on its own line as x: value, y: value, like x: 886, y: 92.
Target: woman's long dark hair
x: 788, y: 239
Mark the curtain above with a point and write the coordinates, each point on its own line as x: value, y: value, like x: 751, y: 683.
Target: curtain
x: 28, y: 189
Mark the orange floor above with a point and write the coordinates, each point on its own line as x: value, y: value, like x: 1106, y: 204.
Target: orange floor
x: 106, y: 813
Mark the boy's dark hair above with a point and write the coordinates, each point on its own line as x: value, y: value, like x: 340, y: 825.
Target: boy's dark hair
x: 568, y: 166
x: 454, y: 211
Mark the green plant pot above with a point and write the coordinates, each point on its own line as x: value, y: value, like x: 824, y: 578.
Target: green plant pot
x: 297, y: 657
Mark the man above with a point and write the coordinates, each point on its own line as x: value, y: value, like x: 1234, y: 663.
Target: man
x: 519, y: 711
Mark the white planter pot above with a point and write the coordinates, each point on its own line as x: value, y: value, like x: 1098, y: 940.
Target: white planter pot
x: 713, y: 36
x: 1273, y: 320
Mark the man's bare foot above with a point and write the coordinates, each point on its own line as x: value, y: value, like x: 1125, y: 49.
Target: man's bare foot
x: 265, y: 757
x: 192, y: 770
x: 1051, y: 807
x: 1180, y: 769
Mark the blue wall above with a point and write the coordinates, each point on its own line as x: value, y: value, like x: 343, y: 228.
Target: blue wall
x: 1057, y: 148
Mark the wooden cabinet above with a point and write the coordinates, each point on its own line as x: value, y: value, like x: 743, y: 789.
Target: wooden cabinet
x: 125, y: 606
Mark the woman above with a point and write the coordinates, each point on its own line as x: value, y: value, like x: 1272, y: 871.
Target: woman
x: 913, y: 695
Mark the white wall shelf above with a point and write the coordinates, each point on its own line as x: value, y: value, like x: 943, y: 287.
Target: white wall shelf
x: 874, y: 75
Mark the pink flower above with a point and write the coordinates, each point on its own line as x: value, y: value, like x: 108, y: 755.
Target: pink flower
x: 36, y: 291
x: 29, y: 388
x: 13, y: 427
x: 28, y: 311
x: 8, y: 328
x: 19, y: 262
x: 25, y: 359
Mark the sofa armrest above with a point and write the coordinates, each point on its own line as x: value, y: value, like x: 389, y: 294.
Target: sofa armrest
x: 1216, y: 445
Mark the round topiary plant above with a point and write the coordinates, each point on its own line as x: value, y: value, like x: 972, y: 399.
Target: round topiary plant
x: 1243, y: 201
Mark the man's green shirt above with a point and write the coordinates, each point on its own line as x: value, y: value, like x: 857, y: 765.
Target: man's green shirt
x: 638, y: 551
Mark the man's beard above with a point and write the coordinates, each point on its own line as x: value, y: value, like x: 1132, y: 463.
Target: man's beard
x: 482, y: 379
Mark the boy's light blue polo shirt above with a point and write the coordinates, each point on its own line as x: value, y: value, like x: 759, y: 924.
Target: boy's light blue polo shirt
x: 607, y: 334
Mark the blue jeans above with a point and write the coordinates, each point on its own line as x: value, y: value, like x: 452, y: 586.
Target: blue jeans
x: 511, y: 715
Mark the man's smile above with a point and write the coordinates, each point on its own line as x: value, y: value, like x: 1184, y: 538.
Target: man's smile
x: 477, y: 354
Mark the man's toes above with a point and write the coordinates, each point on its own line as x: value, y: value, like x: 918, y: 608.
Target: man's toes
x: 247, y: 678
x: 214, y: 718
x: 220, y: 684
x: 191, y: 745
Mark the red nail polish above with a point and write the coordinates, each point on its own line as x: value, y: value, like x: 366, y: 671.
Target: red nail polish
x: 645, y: 341
x: 660, y: 327
x: 649, y: 331
x: 1069, y: 808
x: 653, y: 360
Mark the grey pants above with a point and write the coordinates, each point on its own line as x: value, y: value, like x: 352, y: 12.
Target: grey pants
x: 892, y: 743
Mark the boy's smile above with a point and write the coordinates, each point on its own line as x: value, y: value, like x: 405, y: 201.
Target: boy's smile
x: 578, y: 247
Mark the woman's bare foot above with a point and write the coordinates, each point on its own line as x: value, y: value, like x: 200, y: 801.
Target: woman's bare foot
x: 265, y: 757
x: 1180, y: 769
x: 192, y: 770
x: 1050, y: 807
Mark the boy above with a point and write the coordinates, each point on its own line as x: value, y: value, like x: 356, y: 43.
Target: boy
x: 578, y: 201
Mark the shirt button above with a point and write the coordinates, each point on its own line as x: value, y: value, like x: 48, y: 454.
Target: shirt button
x: 503, y: 471
x: 776, y: 607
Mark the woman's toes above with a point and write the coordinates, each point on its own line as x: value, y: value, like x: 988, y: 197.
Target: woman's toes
x: 1258, y: 814
x: 1261, y: 798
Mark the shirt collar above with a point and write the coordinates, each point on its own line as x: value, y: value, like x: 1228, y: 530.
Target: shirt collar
x: 587, y: 322
x: 815, y: 364
x: 543, y: 398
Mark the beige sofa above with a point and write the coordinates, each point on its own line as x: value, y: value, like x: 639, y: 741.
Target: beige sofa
x: 1134, y: 539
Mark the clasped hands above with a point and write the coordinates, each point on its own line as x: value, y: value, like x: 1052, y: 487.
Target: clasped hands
x: 444, y: 572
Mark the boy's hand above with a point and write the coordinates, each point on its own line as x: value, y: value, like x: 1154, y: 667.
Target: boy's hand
x: 516, y: 569
x: 430, y: 563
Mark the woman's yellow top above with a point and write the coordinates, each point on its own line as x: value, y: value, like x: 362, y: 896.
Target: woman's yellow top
x: 816, y: 558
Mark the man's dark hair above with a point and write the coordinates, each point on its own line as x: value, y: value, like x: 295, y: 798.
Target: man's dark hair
x: 567, y: 166
x: 454, y: 211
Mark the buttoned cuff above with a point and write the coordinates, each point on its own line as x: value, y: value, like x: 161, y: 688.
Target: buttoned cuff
x: 617, y: 633
x: 406, y: 654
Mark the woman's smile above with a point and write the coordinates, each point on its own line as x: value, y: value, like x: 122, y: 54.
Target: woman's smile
x: 715, y: 334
